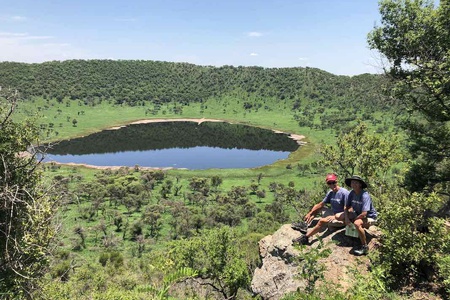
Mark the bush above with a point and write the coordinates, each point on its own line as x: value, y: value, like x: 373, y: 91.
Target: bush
x: 26, y: 205
x: 414, y: 241
x: 115, y: 258
x: 443, y: 263
x: 61, y: 271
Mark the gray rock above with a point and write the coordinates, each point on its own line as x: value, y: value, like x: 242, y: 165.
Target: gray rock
x: 278, y: 274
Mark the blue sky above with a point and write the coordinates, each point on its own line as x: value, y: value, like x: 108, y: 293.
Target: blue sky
x: 326, y: 34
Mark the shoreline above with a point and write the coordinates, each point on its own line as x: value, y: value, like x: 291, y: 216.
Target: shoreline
x: 147, y: 121
x: 296, y: 137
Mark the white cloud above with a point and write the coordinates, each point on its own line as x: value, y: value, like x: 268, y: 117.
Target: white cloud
x: 13, y: 18
x: 125, y: 19
x: 303, y: 58
x: 56, y: 45
x: 37, y: 37
x: 23, y: 47
x: 254, y: 34
x: 23, y: 36
x: 18, y: 18
x: 12, y: 34
x: 253, y: 54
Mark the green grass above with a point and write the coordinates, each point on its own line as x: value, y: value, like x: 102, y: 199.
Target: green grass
x: 103, y: 116
x: 97, y: 118
x: 277, y: 116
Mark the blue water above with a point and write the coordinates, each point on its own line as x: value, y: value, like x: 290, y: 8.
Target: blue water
x: 195, y: 158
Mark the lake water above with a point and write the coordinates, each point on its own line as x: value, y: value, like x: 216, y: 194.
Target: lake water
x: 178, y: 145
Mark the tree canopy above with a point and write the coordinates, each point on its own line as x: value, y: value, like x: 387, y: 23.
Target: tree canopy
x: 414, y: 37
x: 26, y: 208
x: 135, y: 82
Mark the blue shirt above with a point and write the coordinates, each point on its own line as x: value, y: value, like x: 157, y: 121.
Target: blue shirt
x: 336, y: 199
x: 361, y: 203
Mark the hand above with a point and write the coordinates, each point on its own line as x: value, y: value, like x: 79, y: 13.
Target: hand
x: 330, y: 218
x: 308, y: 218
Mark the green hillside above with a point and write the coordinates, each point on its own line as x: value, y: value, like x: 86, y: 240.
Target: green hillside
x: 135, y: 82
x: 129, y: 233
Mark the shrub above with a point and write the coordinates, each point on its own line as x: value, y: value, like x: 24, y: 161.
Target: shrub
x: 413, y: 239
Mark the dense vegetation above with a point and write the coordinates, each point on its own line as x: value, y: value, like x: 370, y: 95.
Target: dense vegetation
x: 414, y: 38
x: 68, y: 92
x: 141, y: 234
x: 145, y: 82
x: 26, y: 206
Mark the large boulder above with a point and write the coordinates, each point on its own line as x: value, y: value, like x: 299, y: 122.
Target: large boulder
x: 279, y: 272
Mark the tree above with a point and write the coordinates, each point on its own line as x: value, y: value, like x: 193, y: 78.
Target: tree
x: 162, y: 291
x: 216, y: 181
x: 26, y: 207
x: 216, y: 257
x: 413, y: 244
x: 414, y: 37
x: 360, y: 152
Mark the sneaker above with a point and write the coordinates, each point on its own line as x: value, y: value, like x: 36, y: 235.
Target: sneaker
x: 362, y: 250
x: 300, y: 226
x: 303, y: 240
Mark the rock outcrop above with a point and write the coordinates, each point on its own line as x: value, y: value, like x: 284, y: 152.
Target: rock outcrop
x: 278, y: 274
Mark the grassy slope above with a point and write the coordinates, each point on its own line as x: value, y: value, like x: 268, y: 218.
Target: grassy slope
x: 97, y: 118
x: 105, y: 116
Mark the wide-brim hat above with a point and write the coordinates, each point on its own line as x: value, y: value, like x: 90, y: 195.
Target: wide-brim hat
x: 348, y: 181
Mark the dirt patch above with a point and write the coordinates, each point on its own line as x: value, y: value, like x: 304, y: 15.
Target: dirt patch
x: 147, y: 121
x: 112, y: 167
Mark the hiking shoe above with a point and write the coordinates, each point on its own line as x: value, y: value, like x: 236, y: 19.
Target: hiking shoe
x: 303, y: 240
x: 362, y: 250
x: 300, y: 226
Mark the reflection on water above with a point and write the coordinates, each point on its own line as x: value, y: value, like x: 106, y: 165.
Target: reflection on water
x: 177, y: 144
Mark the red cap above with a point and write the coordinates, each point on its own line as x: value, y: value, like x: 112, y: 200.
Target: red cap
x: 331, y: 177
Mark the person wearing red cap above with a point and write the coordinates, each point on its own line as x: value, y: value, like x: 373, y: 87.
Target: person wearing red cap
x: 336, y: 197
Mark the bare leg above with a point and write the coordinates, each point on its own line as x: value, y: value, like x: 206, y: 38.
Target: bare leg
x: 322, y: 222
x: 359, y: 225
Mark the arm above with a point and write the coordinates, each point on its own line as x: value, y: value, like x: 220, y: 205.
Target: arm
x: 310, y: 216
x: 347, y: 210
x: 366, y: 206
x: 361, y: 215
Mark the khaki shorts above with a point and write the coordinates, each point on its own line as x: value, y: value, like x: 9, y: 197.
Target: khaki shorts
x: 367, y: 222
x: 327, y: 212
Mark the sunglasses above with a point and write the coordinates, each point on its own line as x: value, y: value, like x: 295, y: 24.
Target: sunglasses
x: 331, y: 182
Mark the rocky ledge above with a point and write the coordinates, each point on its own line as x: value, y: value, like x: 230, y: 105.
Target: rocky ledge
x: 278, y: 274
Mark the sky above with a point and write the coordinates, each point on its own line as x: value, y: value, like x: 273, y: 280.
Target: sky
x: 327, y: 34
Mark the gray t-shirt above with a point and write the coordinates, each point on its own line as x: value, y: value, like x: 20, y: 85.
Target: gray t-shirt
x: 336, y: 199
x: 360, y: 203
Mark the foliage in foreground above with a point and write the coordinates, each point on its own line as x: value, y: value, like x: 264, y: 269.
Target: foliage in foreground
x: 217, y: 258
x: 415, y: 242
x: 360, y: 152
x: 26, y: 206
x: 414, y: 39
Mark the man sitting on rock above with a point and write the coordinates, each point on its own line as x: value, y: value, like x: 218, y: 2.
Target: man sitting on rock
x: 359, y: 210
x: 336, y: 197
